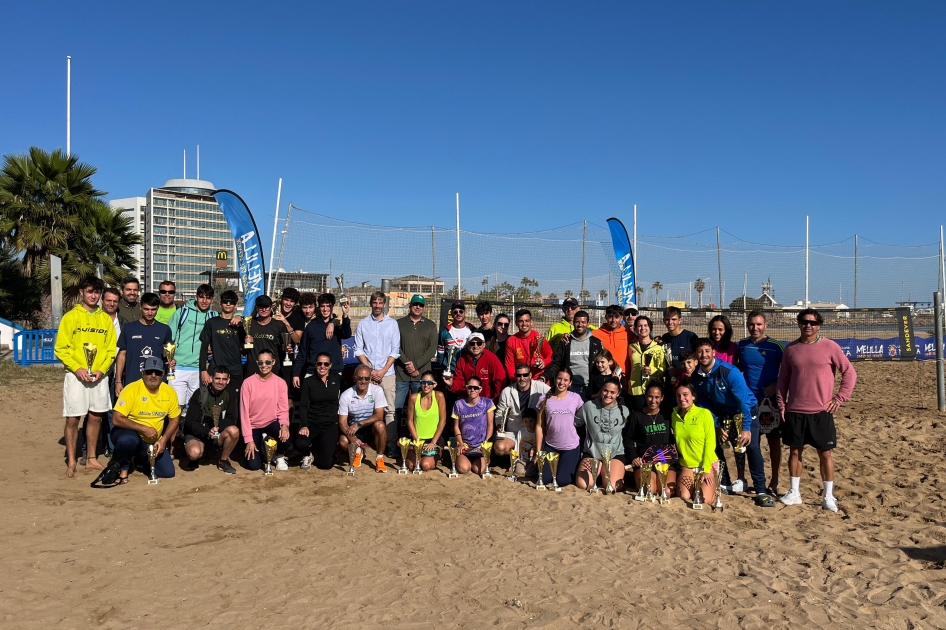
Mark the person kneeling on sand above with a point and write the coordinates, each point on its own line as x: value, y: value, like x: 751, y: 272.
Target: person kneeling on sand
x: 473, y: 425
x: 361, y: 411
x: 695, y: 432
x: 604, y: 418
x: 522, y: 394
x: 264, y: 408
x: 199, y: 429
x: 139, y: 420
x: 426, y: 418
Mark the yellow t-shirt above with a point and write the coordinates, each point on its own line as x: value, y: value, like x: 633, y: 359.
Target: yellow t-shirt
x: 141, y: 406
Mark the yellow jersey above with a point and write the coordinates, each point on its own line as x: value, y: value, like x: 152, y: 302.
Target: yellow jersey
x: 141, y: 406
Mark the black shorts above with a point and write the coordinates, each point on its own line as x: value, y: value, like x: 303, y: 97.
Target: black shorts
x: 809, y: 429
x: 618, y: 458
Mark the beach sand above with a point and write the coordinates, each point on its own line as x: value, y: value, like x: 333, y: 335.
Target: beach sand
x: 322, y: 550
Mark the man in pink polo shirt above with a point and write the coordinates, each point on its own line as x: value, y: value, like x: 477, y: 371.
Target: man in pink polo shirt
x: 807, y: 401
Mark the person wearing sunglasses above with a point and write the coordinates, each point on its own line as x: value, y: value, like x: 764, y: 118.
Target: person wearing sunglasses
x: 186, y: 325
x: 318, y: 415
x: 264, y: 408
x: 147, y: 412
x: 454, y: 335
x: 166, y: 292
x: 476, y: 360
x: 523, y: 393
x: 472, y: 424
x: 565, y: 326
x: 361, y: 411
x: 426, y: 418
x: 221, y: 345
x: 265, y: 333
x: 496, y: 342
x: 807, y: 400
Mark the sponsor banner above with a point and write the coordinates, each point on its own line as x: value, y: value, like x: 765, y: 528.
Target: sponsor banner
x: 627, y: 293
x: 876, y: 349
x: 248, y: 246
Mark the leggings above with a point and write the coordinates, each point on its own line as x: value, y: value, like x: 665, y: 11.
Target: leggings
x: 271, y: 430
x: 321, y: 443
x: 567, y: 465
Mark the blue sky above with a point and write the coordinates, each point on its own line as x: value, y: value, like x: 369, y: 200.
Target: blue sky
x: 749, y: 115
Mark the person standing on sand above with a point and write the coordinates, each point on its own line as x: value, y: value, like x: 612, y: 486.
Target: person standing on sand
x: 807, y: 401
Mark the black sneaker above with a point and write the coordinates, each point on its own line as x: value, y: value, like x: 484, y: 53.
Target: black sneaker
x: 391, y: 451
x: 224, y: 465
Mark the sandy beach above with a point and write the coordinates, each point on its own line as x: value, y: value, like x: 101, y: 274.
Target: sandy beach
x: 321, y: 550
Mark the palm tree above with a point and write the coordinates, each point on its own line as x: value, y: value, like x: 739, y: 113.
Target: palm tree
x: 699, y: 286
x: 657, y: 287
x: 568, y: 293
x: 602, y: 294
x: 42, y: 196
x: 553, y: 296
x: 640, y: 295
x: 583, y: 295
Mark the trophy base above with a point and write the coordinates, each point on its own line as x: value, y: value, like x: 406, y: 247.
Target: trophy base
x: 170, y: 377
x: 610, y: 490
x: 538, y: 487
x: 351, y: 472
x: 247, y: 346
x: 487, y: 474
x: 268, y: 474
x: 447, y: 374
x: 594, y: 490
x: 453, y: 475
x: 718, y: 507
x: 556, y: 489
x: 640, y: 498
x: 417, y: 472
x: 696, y: 506
x: 286, y: 363
x: 403, y: 471
x: 513, y: 479
x: 663, y: 501
x: 152, y: 482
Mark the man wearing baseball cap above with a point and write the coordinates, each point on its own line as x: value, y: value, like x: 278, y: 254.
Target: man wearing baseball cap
x: 454, y: 335
x: 147, y: 412
x: 418, y: 348
x: 476, y: 360
x: 265, y: 333
x: 565, y: 326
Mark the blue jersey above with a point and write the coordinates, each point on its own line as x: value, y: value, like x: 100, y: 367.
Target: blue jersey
x: 760, y: 363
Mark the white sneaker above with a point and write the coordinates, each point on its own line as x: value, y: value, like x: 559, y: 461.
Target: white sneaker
x: 738, y: 486
x: 828, y: 503
x: 282, y: 463
x: 306, y: 462
x: 725, y: 489
x: 791, y: 498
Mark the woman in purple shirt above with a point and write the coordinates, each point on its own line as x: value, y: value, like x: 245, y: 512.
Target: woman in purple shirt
x: 556, y: 428
x: 473, y: 425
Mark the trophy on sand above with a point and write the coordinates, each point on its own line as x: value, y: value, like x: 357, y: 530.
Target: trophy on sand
x: 606, y: 473
x: 449, y: 353
x: 553, y: 464
x: 342, y: 297
x: 697, y: 496
x: 90, y: 350
x: 718, y: 502
x: 662, y: 468
x: 540, y: 458
x: 169, y: 349
x: 286, y: 340
x: 352, y: 453
x: 487, y: 450
x: 418, y: 452
x: 454, y: 450
x: 404, y: 444
x: 644, y: 493
x: 152, y: 457
x: 269, y: 448
x: 513, y: 458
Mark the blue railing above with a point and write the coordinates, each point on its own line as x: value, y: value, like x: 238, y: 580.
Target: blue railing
x: 34, y: 346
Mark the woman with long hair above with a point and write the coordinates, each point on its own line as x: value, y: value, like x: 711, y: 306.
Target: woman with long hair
x: 648, y: 362
x: 426, y: 417
x: 719, y: 331
x: 555, y: 432
x: 604, y: 418
x: 695, y: 433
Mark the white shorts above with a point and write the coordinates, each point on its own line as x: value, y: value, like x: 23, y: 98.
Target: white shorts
x: 185, y: 383
x: 79, y: 397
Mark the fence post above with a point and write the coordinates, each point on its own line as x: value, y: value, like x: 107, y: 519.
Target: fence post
x: 940, y: 385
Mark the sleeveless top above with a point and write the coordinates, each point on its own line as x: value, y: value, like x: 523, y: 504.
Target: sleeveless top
x: 426, y: 420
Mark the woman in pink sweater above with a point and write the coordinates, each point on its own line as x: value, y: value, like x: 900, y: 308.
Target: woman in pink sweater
x: 264, y: 409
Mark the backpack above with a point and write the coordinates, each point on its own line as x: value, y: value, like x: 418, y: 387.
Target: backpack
x: 109, y: 477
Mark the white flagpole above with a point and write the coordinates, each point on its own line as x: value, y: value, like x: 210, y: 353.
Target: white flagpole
x: 68, y: 106
x: 272, y: 249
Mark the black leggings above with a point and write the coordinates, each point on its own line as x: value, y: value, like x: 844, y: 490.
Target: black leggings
x: 321, y: 443
x: 271, y: 430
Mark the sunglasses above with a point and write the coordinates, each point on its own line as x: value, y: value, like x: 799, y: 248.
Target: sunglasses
x: 808, y: 322
x: 502, y: 324
x: 228, y: 301
x: 153, y: 372
x: 571, y: 308
x: 526, y: 375
x: 264, y: 308
x: 428, y: 382
x: 473, y: 388
x: 475, y: 343
x: 166, y: 292
x: 362, y: 379
x: 261, y: 363
x: 458, y: 310
x: 324, y: 363
x: 418, y: 304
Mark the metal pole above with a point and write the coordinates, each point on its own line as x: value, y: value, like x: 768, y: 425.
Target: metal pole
x: 719, y: 268
x: 459, y: 286
x: 55, y: 288
x: 584, y: 238
x: 634, y: 255
x: 433, y: 258
x: 942, y: 267
x: 198, y: 174
x: 68, y: 108
x: 185, y: 163
x: 940, y: 386
x: 272, y: 249
x: 855, y: 271
x: 806, y: 262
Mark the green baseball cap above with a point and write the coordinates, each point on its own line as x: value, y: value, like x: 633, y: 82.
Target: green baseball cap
x: 417, y: 298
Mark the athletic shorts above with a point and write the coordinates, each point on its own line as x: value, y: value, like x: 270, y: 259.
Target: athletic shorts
x: 185, y: 383
x: 618, y: 458
x: 809, y: 429
x: 79, y: 397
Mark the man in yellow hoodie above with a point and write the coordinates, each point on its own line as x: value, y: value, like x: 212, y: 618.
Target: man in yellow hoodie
x: 85, y: 389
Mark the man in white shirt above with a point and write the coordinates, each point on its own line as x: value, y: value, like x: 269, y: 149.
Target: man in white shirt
x: 360, y: 412
x: 377, y: 345
x: 522, y: 394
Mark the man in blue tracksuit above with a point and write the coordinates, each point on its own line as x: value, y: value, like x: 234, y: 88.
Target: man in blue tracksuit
x: 721, y: 388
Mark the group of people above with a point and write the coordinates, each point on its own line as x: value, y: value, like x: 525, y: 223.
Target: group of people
x: 566, y: 401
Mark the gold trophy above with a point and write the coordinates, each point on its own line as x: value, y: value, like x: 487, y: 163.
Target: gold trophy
x: 606, y: 473
x: 152, y: 457
x: 90, y: 350
x: 697, y: 496
x: 286, y: 341
x: 454, y: 450
x: 169, y: 349
x: 269, y: 448
x: 418, y: 452
x: 352, y: 448
x: 594, y: 489
x: 736, y: 431
x: 487, y: 450
x: 513, y: 458
x: 553, y: 464
x: 449, y: 353
x: 404, y: 444
x: 215, y: 412
x: 540, y: 458
x: 247, y: 345
x: 662, y: 468
x: 644, y: 493
x: 340, y: 281
x: 502, y: 422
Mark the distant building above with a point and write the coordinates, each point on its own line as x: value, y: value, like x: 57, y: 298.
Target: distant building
x: 416, y: 284
x: 304, y: 281
x: 135, y: 209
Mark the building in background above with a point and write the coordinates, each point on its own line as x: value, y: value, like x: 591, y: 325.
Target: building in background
x: 417, y: 284
x: 135, y: 209
x: 304, y: 281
